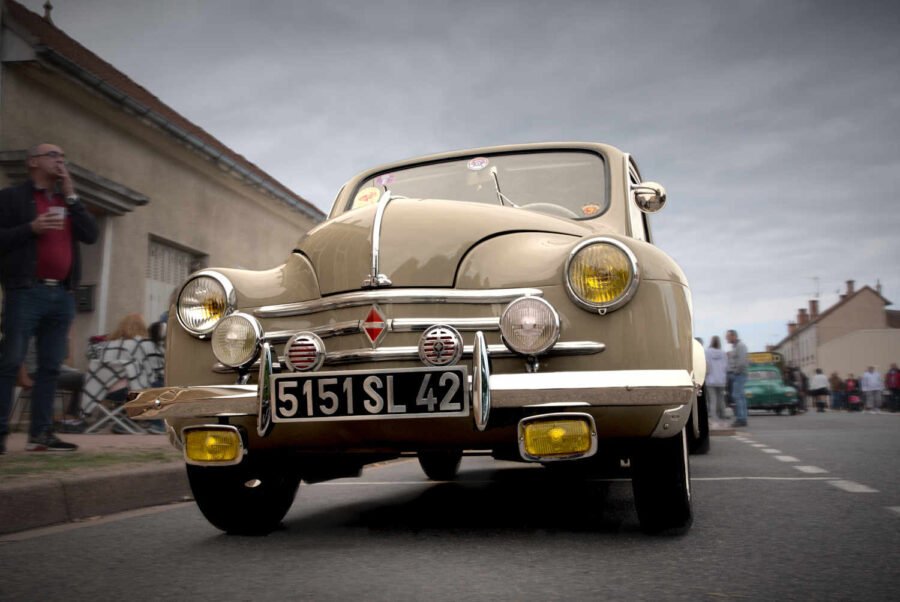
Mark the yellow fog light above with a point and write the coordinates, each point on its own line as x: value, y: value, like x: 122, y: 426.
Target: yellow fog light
x: 221, y: 445
x: 557, y: 437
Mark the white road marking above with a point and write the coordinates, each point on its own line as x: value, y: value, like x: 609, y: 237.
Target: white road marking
x: 758, y: 444
x: 787, y: 458
x: 760, y: 478
x: 852, y: 486
x: 810, y: 469
x: 771, y: 450
x: 894, y: 509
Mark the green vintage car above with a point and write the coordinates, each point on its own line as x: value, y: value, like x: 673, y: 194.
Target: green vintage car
x: 765, y: 390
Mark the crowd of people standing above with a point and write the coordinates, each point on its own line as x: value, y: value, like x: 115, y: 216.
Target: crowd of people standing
x: 726, y: 375
x: 868, y: 392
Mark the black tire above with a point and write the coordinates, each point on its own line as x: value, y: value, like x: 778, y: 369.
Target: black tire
x: 440, y: 465
x: 661, y: 483
x: 699, y: 444
x: 793, y: 410
x: 778, y: 410
x: 243, y: 499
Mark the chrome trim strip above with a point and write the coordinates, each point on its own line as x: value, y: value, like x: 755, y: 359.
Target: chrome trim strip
x: 672, y: 422
x: 411, y: 295
x: 558, y: 416
x: 390, y: 354
x: 460, y: 324
x: 481, y: 377
x: 597, y: 388
x: 214, y: 427
x: 333, y: 330
x: 375, y: 279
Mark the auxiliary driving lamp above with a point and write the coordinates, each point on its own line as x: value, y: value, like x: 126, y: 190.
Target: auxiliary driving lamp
x: 220, y: 445
x: 557, y: 437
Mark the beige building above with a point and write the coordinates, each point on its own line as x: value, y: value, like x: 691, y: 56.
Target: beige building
x: 168, y: 197
x: 856, y: 332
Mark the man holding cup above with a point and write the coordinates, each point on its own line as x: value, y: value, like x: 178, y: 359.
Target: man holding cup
x: 41, y: 223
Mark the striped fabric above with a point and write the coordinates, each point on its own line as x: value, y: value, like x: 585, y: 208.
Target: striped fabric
x: 132, y: 363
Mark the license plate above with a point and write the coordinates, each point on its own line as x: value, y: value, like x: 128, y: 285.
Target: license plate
x: 370, y: 394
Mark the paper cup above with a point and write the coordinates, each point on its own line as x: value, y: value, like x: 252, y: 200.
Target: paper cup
x: 60, y: 214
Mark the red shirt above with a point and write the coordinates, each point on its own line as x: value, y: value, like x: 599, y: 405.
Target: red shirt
x: 54, y: 247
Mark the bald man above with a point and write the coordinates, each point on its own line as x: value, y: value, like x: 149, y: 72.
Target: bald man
x: 41, y: 223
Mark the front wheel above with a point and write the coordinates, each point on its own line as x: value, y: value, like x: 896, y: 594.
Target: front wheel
x: 661, y: 482
x: 246, y: 499
x: 440, y: 465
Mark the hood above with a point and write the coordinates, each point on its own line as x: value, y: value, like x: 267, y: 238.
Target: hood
x: 422, y: 241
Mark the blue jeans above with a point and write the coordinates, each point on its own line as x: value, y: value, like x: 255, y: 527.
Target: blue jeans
x: 837, y: 400
x: 737, y: 395
x: 45, y: 312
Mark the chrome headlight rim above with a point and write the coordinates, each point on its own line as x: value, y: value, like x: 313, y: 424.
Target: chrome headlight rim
x: 257, y: 332
x: 629, y: 292
x: 554, y: 324
x: 230, y: 301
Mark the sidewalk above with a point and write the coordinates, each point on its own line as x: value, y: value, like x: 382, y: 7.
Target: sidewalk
x: 108, y: 474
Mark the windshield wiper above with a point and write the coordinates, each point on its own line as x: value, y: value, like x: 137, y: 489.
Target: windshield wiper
x: 500, y: 196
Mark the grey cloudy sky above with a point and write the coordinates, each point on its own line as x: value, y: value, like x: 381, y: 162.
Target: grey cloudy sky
x: 773, y: 124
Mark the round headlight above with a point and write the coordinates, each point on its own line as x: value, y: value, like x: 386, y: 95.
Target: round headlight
x: 601, y: 274
x: 235, y: 341
x: 203, y: 301
x: 529, y: 325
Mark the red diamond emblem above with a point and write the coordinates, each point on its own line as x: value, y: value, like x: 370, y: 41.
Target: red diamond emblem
x: 374, y: 325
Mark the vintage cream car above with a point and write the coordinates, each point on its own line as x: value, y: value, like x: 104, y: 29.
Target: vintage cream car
x: 505, y: 300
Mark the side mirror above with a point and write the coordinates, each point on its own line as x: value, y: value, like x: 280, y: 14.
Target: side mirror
x: 649, y: 196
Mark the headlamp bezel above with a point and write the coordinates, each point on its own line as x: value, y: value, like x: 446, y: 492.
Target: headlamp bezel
x: 626, y: 295
x: 230, y: 301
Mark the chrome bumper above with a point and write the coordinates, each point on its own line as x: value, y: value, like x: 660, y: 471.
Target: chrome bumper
x: 610, y: 388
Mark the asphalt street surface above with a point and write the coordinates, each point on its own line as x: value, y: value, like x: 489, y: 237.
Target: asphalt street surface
x: 791, y: 508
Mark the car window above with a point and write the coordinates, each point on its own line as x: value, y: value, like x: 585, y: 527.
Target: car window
x: 764, y: 375
x: 570, y: 184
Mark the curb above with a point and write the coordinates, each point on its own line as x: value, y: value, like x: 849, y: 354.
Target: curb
x: 35, y: 504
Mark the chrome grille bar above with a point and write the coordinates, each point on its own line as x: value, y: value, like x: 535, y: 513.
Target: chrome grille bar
x: 388, y: 354
x: 460, y: 324
x: 395, y: 325
x: 412, y: 295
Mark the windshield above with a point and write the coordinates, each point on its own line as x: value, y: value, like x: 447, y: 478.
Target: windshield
x: 570, y: 184
x: 765, y: 375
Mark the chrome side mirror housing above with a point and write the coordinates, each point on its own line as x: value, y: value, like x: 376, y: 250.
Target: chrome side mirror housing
x: 649, y: 196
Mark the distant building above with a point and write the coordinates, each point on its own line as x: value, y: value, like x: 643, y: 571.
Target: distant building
x: 856, y: 332
x: 169, y: 198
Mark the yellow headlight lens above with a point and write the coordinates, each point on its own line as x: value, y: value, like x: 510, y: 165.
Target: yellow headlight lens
x: 203, y: 301
x: 557, y: 438
x: 600, y: 274
x: 212, y: 446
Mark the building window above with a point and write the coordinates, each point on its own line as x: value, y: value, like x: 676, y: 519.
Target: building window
x: 167, y: 268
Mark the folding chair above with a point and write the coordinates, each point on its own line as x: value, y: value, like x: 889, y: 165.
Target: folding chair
x: 103, y: 378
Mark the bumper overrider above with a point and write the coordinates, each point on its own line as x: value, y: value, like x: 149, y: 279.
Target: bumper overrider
x: 554, y: 400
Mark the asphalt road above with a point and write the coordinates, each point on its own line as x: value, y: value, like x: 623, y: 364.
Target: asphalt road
x: 804, y: 507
